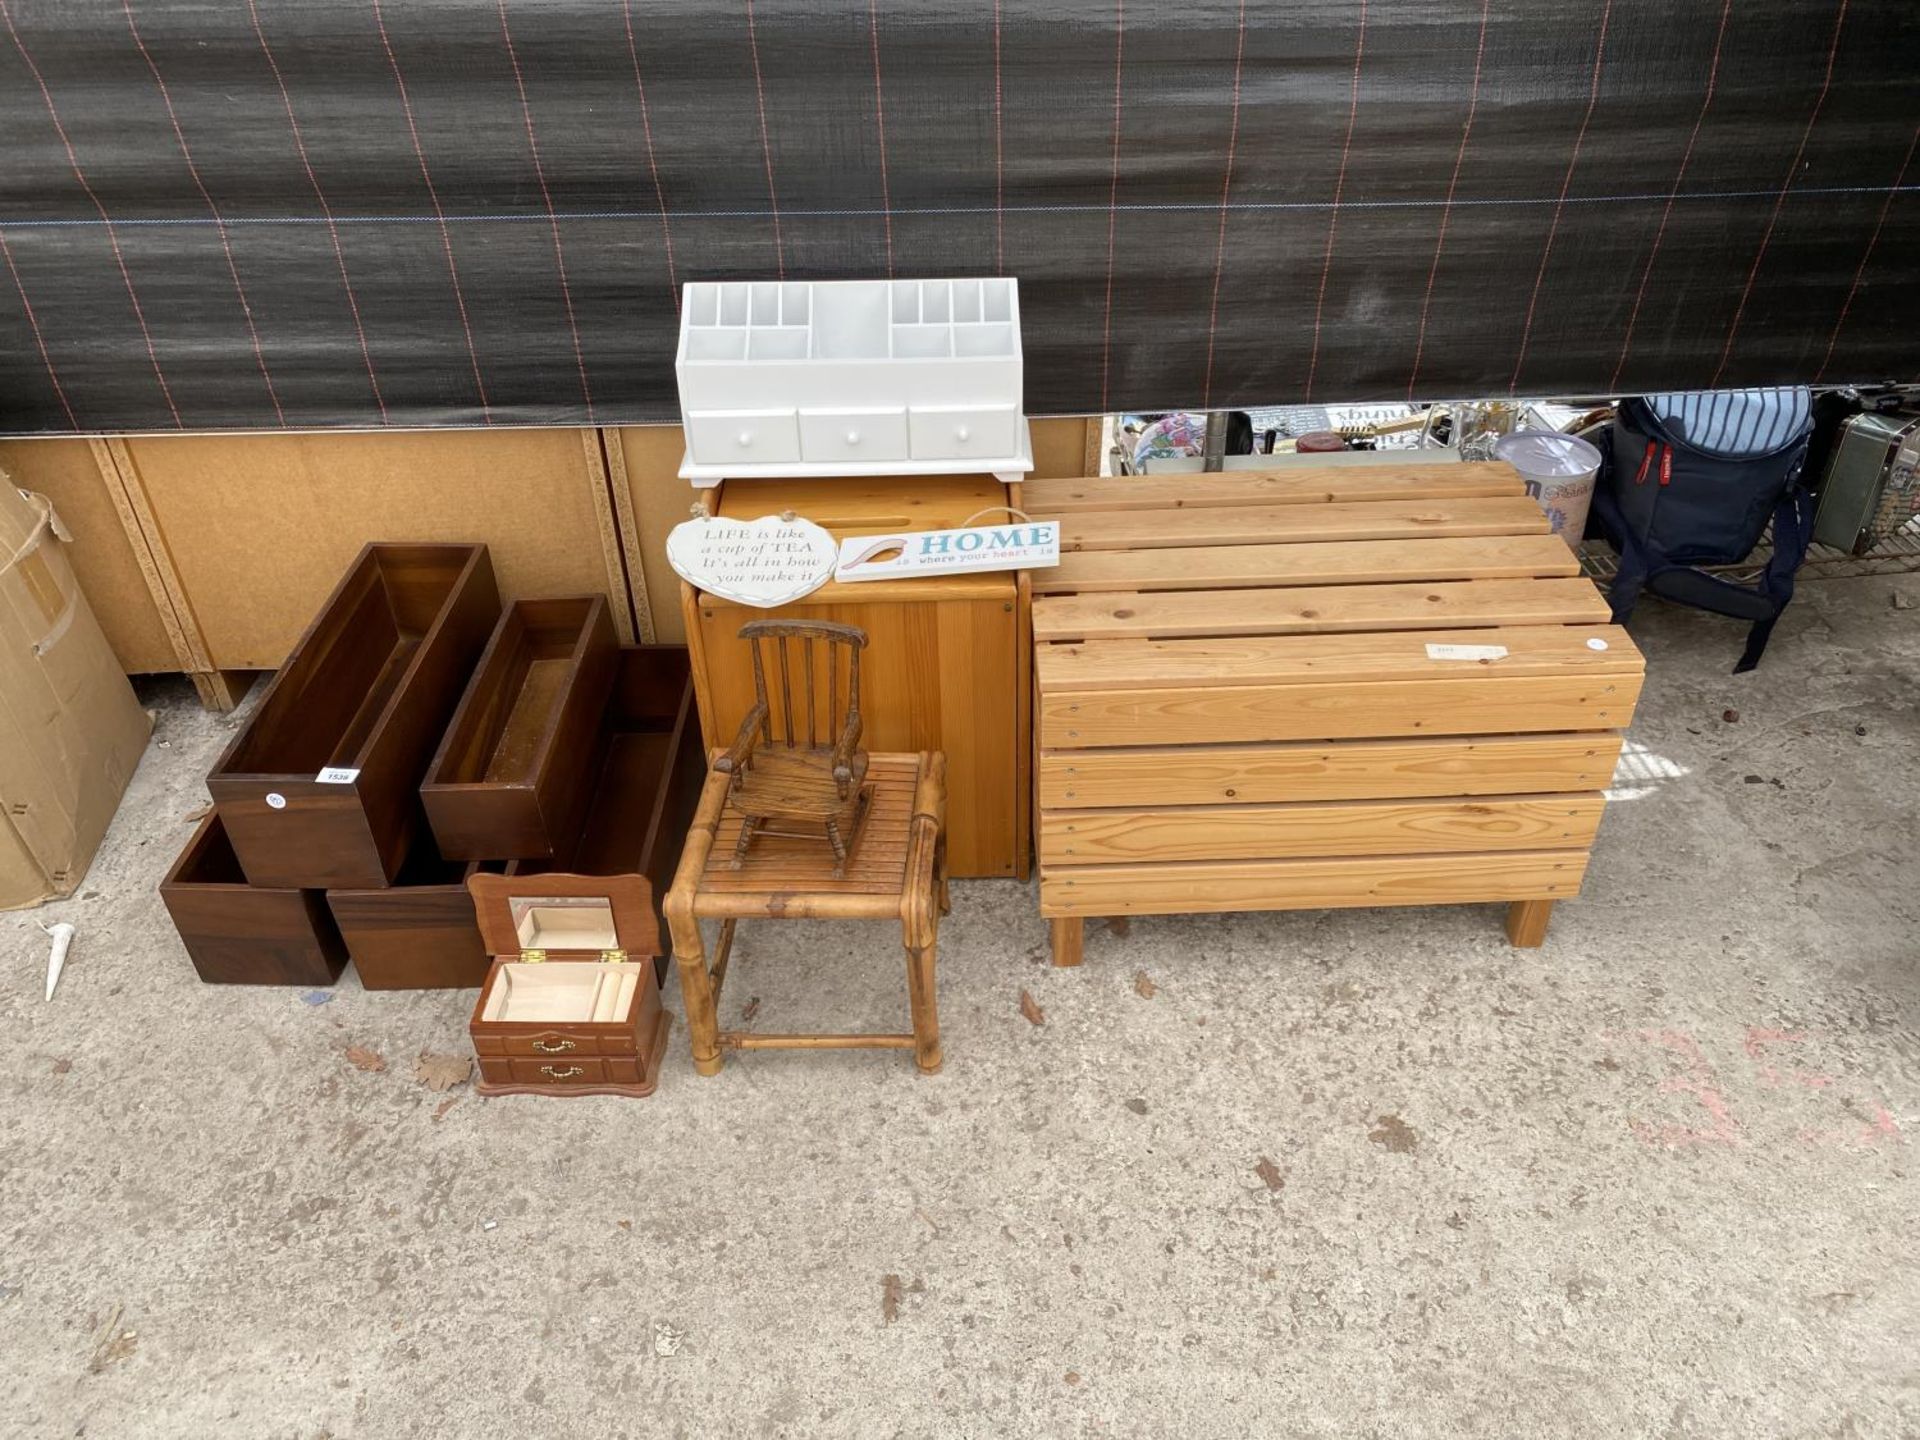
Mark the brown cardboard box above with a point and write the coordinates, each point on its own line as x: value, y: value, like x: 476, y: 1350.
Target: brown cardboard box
x: 71, y: 731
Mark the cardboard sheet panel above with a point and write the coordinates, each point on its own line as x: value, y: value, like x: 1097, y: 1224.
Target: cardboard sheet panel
x: 103, y: 557
x: 261, y: 528
x: 330, y: 214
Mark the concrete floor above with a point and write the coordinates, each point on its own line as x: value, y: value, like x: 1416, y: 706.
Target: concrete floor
x: 1346, y: 1173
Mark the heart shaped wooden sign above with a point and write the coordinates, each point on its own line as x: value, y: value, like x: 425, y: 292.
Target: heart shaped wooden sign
x: 763, y: 563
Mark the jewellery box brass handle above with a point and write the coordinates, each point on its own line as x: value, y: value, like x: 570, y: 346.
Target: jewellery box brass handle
x: 567, y: 1074
x: 553, y: 1047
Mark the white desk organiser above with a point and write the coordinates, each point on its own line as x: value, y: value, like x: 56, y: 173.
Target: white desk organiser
x: 853, y: 377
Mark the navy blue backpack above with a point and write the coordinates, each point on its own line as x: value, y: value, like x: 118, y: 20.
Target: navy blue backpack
x: 1693, y: 479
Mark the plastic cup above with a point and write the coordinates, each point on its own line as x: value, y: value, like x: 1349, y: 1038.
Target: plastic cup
x: 1559, y: 471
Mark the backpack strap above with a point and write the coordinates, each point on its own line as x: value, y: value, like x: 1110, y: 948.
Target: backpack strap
x: 1792, y: 533
x: 1642, y: 567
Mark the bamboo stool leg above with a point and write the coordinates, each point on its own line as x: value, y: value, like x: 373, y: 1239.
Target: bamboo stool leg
x: 1068, y: 933
x: 1527, y: 922
x: 703, y: 1026
x: 921, y: 993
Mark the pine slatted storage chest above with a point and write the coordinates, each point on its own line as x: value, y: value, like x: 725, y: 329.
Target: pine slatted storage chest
x: 1382, y: 685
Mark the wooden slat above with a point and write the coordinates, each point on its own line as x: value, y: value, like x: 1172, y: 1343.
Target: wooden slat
x: 1274, y: 832
x: 1259, y: 524
x: 1350, y: 562
x: 1311, y: 884
x: 1342, y: 710
x: 1302, y: 485
x: 1315, y: 609
x: 1349, y: 770
x: 1282, y: 659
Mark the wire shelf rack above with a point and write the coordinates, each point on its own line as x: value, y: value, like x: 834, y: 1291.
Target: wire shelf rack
x: 1898, y: 554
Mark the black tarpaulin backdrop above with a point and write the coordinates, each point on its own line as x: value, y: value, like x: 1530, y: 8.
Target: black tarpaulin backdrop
x: 265, y: 213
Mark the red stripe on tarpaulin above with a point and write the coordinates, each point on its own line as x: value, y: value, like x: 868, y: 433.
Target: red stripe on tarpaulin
x: 439, y: 214
x: 119, y: 257
x: 39, y: 336
x: 1780, y: 200
x: 1339, y: 191
x: 326, y: 210
x: 880, y: 126
x: 766, y: 143
x: 1679, y: 177
x: 1453, y: 189
x: 1028, y: 185
x: 653, y: 161
x: 1226, y: 198
x: 553, y: 219
x: 999, y: 157
x: 1566, y: 185
x: 226, y: 244
x: 1866, y: 256
x: 1113, y: 201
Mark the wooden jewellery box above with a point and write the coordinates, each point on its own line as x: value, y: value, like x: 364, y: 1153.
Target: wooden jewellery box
x: 572, y: 1003
x: 321, y: 789
x: 510, y: 781
x: 239, y: 934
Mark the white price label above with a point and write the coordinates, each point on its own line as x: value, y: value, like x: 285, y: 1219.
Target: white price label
x: 1596, y: 643
x: 337, y: 775
x: 1466, y: 652
x: 276, y: 801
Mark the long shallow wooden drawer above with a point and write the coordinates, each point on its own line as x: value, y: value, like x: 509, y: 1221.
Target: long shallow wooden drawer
x: 1216, y: 885
x: 1347, y: 770
x: 1302, y: 831
x: 1340, y: 710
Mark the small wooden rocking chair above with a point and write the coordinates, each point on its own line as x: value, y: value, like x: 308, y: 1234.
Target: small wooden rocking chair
x: 777, y: 780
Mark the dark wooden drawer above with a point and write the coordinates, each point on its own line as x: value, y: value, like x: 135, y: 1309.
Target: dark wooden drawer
x: 321, y: 789
x: 651, y: 766
x: 237, y: 934
x: 510, y: 779
x: 418, y: 933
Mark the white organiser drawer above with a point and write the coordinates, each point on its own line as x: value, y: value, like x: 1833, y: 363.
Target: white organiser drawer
x: 743, y: 437
x: 955, y: 432
x: 854, y: 435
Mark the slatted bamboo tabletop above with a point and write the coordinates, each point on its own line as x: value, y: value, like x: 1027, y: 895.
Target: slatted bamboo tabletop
x: 1317, y: 687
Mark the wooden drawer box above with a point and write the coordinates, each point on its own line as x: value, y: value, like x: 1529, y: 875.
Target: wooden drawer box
x: 236, y: 934
x: 419, y: 932
x: 1317, y: 688
x: 362, y: 701
x: 647, y: 776
x: 510, y: 779
x: 571, y: 1005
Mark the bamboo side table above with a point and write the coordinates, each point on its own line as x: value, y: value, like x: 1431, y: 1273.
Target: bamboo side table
x: 897, y: 871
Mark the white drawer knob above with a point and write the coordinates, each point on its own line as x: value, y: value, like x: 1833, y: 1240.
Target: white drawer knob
x: 744, y: 439
x: 962, y: 434
x: 853, y: 437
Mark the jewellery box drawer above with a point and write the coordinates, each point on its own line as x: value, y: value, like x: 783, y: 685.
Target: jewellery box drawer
x: 743, y: 437
x: 955, y: 432
x: 853, y: 435
x: 564, y: 1071
x: 561, y: 1044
